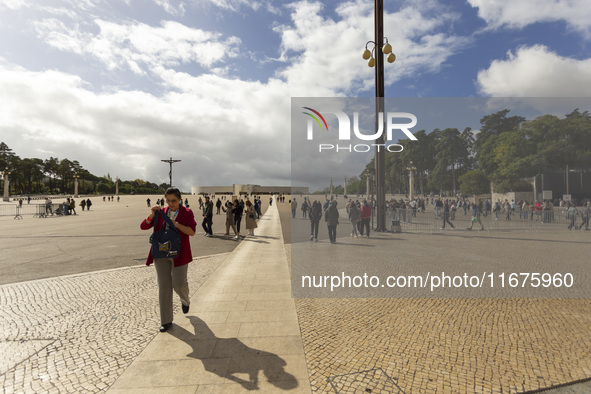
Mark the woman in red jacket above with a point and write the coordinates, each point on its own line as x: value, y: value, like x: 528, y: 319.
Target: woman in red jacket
x: 172, y: 273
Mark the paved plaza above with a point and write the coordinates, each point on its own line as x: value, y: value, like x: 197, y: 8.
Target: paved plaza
x: 78, y: 319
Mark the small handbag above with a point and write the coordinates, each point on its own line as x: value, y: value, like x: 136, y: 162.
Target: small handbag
x: 166, y: 242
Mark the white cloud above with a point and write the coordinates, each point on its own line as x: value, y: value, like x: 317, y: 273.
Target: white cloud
x: 326, y: 53
x: 171, y: 9
x: 518, y: 14
x: 140, y: 47
x: 536, y: 72
x: 235, y: 5
x: 220, y: 137
x: 225, y: 130
x: 13, y: 4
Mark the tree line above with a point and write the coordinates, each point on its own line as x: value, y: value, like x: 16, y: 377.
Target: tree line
x: 54, y: 176
x: 504, y: 153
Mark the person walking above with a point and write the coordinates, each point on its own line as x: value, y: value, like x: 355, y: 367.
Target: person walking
x: 148, y: 202
x: 251, y: 222
x: 83, y: 204
x: 331, y: 217
x: 315, y: 216
x: 497, y: 209
x: 572, y: 215
x: 294, y: 206
x: 172, y: 272
x: 304, y: 209
x: 88, y: 204
x: 446, y: 215
x: 229, y: 210
x: 354, y: 217
x: 257, y: 207
x: 218, y: 205
x: 48, y: 206
x: 238, y: 210
x: 475, y: 217
x: 365, y: 218
x: 507, y: 210
x: 585, y: 211
x: 72, y: 205
x: 207, y: 217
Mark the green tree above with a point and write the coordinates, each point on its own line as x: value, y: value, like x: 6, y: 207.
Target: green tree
x: 485, y: 143
x: 452, y: 155
x: 50, y: 168
x: 5, y: 156
x: 474, y: 182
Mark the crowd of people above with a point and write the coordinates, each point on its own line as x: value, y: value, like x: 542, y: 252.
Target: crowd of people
x: 234, y: 210
x: 444, y: 209
x: 359, y: 214
x: 67, y: 207
x: 541, y: 211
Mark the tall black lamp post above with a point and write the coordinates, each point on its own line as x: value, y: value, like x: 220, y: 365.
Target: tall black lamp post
x: 379, y: 50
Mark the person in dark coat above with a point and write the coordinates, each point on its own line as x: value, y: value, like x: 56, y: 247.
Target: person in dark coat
x: 331, y: 217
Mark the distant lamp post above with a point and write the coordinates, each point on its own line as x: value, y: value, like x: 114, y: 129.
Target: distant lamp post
x: 117, y: 185
x: 377, y: 61
x: 411, y: 182
x: 5, y: 174
x: 76, y: 177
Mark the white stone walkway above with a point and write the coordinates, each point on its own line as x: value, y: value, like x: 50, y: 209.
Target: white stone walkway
x: 241, y: 334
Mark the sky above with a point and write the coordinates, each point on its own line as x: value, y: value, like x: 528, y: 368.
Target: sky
x: 121, y: 85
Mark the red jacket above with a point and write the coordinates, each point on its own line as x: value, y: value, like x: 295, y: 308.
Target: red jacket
x: 184, y: 217
x: 365, y: 211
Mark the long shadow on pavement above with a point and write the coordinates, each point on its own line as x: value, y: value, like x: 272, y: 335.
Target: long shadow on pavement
x: 243, y: 359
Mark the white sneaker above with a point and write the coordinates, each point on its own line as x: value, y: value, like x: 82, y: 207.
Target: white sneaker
x: 235, y: 237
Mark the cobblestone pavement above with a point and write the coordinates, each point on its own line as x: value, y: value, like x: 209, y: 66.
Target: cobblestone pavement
x: 445, y: 345
x: 78, y: 333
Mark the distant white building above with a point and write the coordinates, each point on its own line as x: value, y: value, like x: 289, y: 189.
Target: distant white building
x: 236, y: 190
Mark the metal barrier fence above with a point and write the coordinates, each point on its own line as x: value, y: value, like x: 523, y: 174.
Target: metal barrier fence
x: 9, y: 210
x: 417, y: 220
x: 35, y: 210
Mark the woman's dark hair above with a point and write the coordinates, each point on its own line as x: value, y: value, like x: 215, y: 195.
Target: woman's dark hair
x: 173, y: 190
